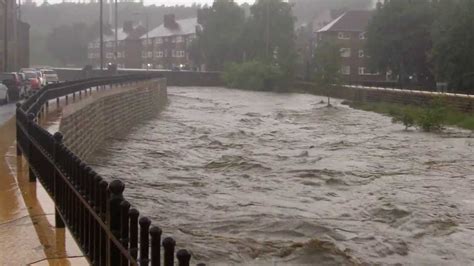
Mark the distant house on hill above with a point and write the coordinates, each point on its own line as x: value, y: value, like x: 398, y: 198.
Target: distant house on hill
x: 167, y: 46
x: 349, y: 31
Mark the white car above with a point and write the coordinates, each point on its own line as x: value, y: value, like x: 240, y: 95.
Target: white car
x: 50, y: 76
x: 4, y: 94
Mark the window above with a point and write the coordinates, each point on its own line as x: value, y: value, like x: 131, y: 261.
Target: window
x: 345, y: 52
x: 343, y: 36
x: 159, y: 66
x: 179, y: 53
x: 150, y: 41
x: 166, y: 53
x: 121, y: 54
x: 179, y: 39
x: 144, y: 54
x: 159, y: 54
x: 165, y: 39
x: 144, y: 42
x: 362, y: 36
x: 173, y: 39
x: 346, y: 70
x: 361, y: 54
x: 97, y: 45
x: 108, y: 44
x: 365, y: 72
x: 150, y: 54
x: 159, y: 40
x: 110, y: 55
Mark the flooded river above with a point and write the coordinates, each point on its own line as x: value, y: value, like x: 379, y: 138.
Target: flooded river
x: 258, y: 178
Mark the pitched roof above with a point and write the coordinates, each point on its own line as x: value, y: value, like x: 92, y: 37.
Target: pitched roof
x: 354, y: 20
x: 185, y: 27
x: 111, y: 37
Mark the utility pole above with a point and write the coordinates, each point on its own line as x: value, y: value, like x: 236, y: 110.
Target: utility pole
x: 267, y: 30
x: 101, y: 33
x: 116, y: 31
x: 5, y: 36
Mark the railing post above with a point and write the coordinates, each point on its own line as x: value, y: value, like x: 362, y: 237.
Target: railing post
x: 168, y: 245
x: 31, y: 122
x: 144, y: 240
x: 115, y: 189
x: 124, y: 230
x: 155, y: 233
x: 58, y: 138
x: 184, y: 257
x: 18, y: 149
x: 133, y: 213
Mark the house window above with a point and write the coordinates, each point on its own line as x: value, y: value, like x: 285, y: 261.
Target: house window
x: 144, y: 42
x: 159, y: 66
x: 345, y: 52
x: 361, y: 54
x: 173, y: 39
x: 180, y: 53
x: 150, y: 41
x: 365, y: 72
x: 343, y: 36
x: 150, y: 54
x: 108, y: 44
x: 110, y: 55
x: 144, y: 54
x: 159, y: 40
x: 346, y: 70
x: 179, y: 39
x: 362, y: 36
x: 159, y: 54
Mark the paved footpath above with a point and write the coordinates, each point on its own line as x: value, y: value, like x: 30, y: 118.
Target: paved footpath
x: 27, y: 232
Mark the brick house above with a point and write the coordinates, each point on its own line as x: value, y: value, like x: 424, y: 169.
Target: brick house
x: 167, y: 45
x: 128, y: 48
x: 349, y: 31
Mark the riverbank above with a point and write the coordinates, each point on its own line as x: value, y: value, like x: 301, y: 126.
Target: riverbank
x: 450, y: 117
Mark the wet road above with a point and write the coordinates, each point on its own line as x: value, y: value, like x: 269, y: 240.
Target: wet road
x: 6, y: 112
x: 263, y: 178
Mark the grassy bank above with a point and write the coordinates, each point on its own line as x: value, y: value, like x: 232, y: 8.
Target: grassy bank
x: 419, y: 116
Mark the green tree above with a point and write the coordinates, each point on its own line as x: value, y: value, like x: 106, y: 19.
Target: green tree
x: 399, y: 39
x: 270, y: 34
x: 453, y: 42
x: 222, y: 27
x: 327, y: 61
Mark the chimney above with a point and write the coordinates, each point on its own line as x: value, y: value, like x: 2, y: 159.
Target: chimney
x: 169, y: 21
x: 128, y: 26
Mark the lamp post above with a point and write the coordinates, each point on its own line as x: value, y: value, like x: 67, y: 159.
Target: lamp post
x: 116, y: 31
x: 101, y: 33
x: 5, y: 35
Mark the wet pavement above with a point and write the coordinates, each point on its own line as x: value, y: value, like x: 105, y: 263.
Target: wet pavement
x: 280, y: 179
x: 27, y: 231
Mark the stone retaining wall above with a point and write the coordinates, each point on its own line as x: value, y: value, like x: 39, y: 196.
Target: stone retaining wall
x: 458, y: 102
x: 88, y: 123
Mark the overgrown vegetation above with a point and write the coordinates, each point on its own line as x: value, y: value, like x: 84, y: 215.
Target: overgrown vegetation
x: 430, y: 118
x: 253, y: 75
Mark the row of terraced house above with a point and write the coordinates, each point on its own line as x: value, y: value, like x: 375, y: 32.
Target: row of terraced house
x: 164, y: 47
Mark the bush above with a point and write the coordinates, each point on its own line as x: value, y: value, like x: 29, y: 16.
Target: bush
x: 407, y: 117
x: 432, y: 118
x: 252, y: 75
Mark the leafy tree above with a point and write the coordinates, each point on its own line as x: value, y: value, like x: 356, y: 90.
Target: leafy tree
x: 222, y: 28
x: 399, y: 39
x: 453, y: 42
x: 270, y: 34
x: 327, y: 60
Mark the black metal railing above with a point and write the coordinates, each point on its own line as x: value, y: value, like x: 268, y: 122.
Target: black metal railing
x: 103, y: 223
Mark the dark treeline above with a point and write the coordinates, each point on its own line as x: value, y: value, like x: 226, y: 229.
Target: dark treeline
x: 425, y: 40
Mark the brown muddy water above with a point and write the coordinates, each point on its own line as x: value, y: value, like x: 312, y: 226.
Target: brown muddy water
x: 259, y: 178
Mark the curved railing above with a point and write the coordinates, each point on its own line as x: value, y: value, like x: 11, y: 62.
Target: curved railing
x: 104, y: 225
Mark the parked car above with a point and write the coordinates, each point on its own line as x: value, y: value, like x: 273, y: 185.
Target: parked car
x: 41, y: 77
x: 13, y: 83
x: 3, y: 94
x: 33, y: 85
x: 50, y: 76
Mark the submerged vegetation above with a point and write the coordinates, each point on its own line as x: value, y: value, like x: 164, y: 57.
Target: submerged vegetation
x: 428, y: 118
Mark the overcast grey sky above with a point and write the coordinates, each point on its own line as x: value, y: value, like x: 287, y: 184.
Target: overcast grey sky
x: 158, y: 2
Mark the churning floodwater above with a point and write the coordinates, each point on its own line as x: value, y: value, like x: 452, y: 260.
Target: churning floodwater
x: 260, y: 178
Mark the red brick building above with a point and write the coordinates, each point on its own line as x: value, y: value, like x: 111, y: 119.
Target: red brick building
x: 349, y: 32
x: 167, y: 45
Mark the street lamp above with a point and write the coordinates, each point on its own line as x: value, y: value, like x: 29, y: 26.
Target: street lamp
x: 5, y: 35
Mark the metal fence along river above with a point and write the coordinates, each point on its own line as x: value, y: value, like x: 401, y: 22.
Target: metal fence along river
x: 105, y: 226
